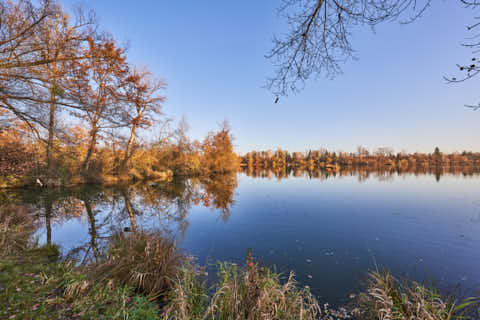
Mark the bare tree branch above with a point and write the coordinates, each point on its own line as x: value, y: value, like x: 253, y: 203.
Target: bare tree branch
x: 318, y: 40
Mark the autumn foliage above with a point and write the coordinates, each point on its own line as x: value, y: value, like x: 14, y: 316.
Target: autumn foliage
x: 73, y: 109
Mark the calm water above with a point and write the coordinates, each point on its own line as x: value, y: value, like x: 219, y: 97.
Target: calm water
x: 329, y: 231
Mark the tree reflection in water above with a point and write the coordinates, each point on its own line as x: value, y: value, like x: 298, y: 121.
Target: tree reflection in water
x: 379, y: 172
x: 109, y: 210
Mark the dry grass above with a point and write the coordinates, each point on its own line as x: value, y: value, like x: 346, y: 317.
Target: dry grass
x: 145, y: 261
x: 258, y: 294
x: 389, y: 299
x: 188, y: 298
x: 245, y: 294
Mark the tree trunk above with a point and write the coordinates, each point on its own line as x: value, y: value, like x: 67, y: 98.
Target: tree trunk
x: 91, y: 146
x: 51, y: 132
x: 51, y: 124
x: 128, y: 149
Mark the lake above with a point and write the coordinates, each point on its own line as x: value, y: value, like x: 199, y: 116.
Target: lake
x: 330, y: 229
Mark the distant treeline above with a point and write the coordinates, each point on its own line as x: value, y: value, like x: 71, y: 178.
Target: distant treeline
x: 383, y: 157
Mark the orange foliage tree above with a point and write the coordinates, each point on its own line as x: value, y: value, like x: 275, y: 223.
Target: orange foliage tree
x: 217, y: 152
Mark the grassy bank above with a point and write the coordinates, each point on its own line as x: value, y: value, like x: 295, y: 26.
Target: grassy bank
x: 36, y: 284
x: 145, y: 276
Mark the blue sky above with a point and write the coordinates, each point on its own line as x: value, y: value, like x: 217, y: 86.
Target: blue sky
x: 211, y: 53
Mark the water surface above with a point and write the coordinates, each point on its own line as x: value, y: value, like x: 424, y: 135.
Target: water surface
x: 329, y: 230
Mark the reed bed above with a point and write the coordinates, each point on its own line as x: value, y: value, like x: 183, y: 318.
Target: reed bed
x: 248, y: 293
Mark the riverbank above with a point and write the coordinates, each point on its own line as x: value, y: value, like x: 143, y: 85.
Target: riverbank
x: 143, y: 275
x: 36, y: 284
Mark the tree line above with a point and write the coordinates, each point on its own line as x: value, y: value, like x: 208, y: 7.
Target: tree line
x: 362, y: 158
x: 73, y: 107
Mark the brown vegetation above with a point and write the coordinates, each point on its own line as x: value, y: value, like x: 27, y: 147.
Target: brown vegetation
x: 145, y: 261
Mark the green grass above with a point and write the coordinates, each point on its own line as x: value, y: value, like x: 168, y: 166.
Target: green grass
x: 43, y: 290
x: 36, y: 284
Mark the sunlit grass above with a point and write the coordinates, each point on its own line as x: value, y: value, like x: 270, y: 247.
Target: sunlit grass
x: 145, y: 261
x: 250, y: 292
x: 387, y: 298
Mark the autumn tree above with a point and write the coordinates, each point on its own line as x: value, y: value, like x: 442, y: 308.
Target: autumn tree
x: 143, y: 100
x: 97, y: 89
x: 20, y: 22
x: 37, y: 42
x: 217, y: 150
x: 60, y: 42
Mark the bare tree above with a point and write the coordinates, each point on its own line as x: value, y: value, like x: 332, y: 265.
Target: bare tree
x: 318, y: 40
x: 96, y: 87
x: 19, y: 22
x: 36, y: 45
x: 60, y: 42
x: 143, y: 100
x: 471, y: 68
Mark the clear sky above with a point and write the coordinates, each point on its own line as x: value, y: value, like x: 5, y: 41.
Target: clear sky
x: 211, y: 53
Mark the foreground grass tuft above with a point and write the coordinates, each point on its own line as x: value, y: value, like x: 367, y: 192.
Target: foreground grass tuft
x: 390, y: 299
x: 145, y: 261
x: 244, y: 293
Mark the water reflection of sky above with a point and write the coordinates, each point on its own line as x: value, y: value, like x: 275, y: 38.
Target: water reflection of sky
x: 330, y: 232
